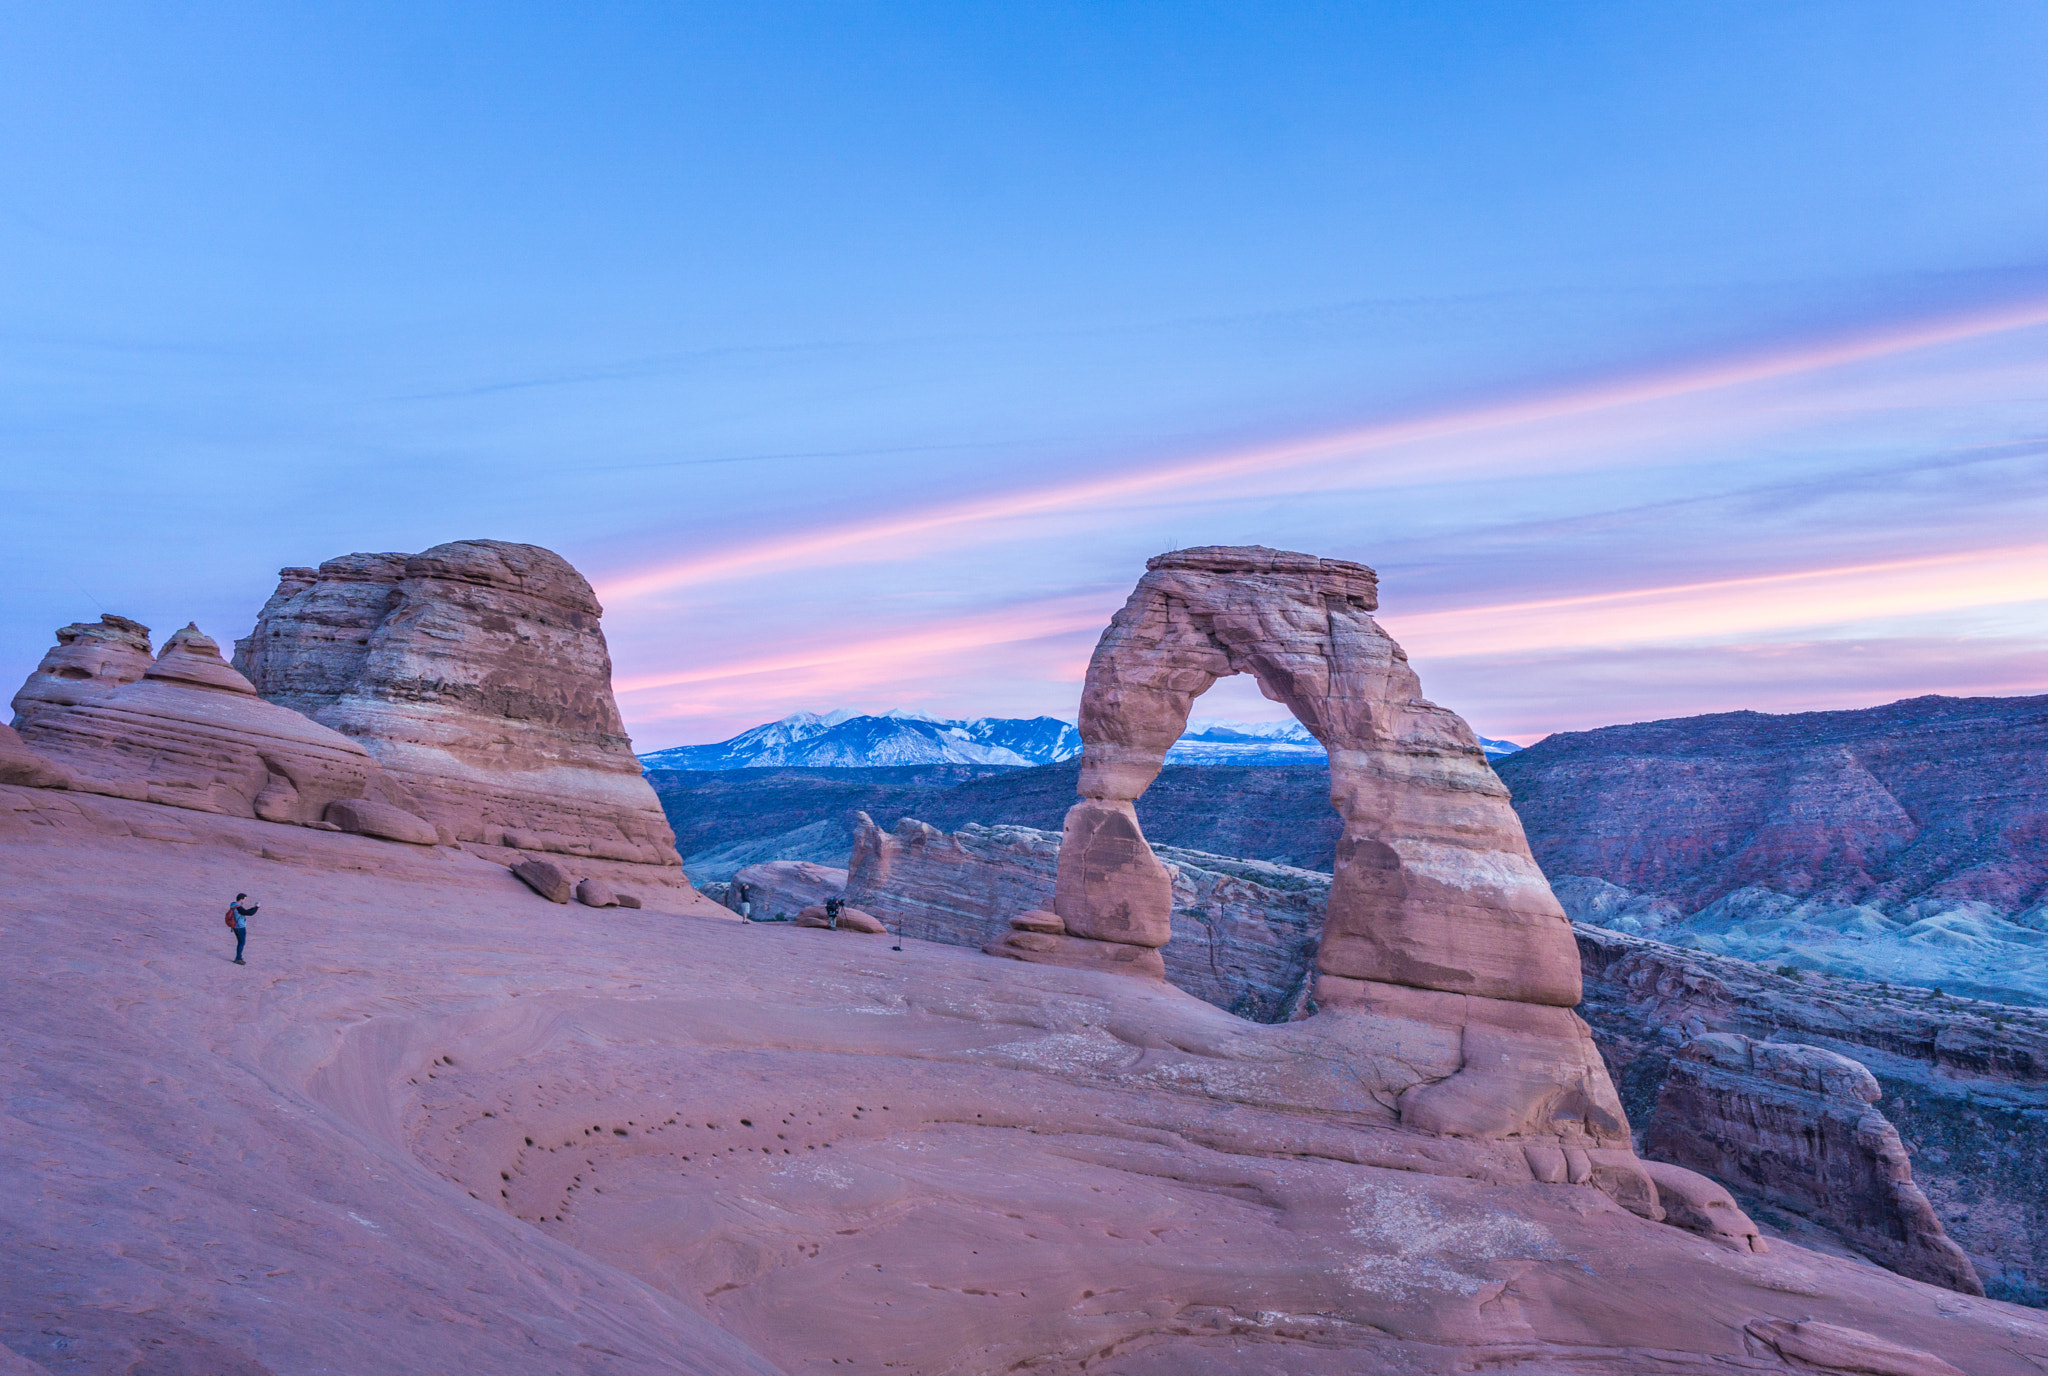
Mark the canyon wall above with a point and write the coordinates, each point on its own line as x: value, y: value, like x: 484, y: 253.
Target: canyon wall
x: 1907, y: 843
x: 1963, y: 1083
x: 1244, y: 932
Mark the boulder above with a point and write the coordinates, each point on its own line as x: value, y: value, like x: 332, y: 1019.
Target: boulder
x: 1692, y: 1201
x: 595, y: 893
x: 477, y: 674
x: 365, y: 817
x: 90, y: 660
x: 192, y: 733
x: 850, y: 920
x: 545, y: 878
x: 627, y: 900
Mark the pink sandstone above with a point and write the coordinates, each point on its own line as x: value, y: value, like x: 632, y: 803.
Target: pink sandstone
x: 1437, y: 914
x: 90, y: 660
x: 477, y: 674
x: 424, y: 1131
x: 192, y: 733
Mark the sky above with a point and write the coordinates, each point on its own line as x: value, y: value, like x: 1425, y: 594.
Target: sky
x: 1662, y: 359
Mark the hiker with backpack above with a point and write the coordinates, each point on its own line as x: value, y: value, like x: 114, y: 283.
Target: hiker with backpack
x: 238, y: 919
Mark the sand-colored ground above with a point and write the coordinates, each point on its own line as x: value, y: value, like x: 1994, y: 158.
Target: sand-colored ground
x: 440, y: 1125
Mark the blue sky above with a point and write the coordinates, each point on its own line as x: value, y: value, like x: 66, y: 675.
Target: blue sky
x: 861, y: 354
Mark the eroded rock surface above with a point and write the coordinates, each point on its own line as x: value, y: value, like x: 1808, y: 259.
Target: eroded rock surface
x: 1963, y: 1084
x: 1435, y: 892
x: 685, y: 1143
x: 1244, y: 932
x: 1435, y: 887
x: 90, y: 660
x: 192, y: 733
x: 778, y: 890
x: 476, y: 673
x: 1798, y: 1126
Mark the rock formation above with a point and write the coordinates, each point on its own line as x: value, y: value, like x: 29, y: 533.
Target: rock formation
x: 1244, y: 932
x: 90, y: 660
x: 1796, y: 1126
x: 1438, y: 915
x: 191, y: 733
x: 780, y: 889
x: 477, y: 675
x: 1767, y: 1082
x: 312, y: 636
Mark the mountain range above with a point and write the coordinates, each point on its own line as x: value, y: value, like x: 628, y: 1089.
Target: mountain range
x: 848, y: 740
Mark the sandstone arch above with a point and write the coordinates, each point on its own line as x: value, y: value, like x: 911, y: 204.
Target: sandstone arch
x: 1435, y: 887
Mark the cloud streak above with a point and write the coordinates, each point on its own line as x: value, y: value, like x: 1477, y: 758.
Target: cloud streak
x: 1736, y: 606
x: 824, y: 544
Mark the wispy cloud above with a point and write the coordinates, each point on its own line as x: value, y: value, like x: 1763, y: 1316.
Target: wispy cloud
x: 827, y: 543
x: 1735, y: 606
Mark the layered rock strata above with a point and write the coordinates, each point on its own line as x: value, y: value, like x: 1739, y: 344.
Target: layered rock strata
x: 1964, y: 1091
x: 543, y: 1139
x: 90, y: 660
x: 1901, y: 843
x: 1437, y: 914
x: 1244, y: 932
x: 1798, y: 1127
x: 191, y: 733
x: 477, y: 674
x: 1435, y: 887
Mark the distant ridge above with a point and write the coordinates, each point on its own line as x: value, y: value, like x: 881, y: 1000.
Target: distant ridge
x: 848, y: 740
x: 845, y: 740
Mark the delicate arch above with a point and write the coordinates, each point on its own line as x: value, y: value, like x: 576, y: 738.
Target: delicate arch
x: 1435, y: 887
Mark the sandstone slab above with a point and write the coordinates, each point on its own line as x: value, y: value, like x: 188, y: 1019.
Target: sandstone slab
x: 780, y: 889
x: 23, y: 766
x: 545, y: 878
x: 595, y: 893
x: 645, y: 1153
x: 365, y: 817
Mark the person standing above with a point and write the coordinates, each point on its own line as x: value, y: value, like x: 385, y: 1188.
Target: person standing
x: 238, y: 918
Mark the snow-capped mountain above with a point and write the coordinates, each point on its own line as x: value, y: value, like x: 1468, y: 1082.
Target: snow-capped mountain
x: 1269, y: 743
x: 845, y: 740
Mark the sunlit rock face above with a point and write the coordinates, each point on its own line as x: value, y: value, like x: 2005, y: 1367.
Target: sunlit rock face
x: 477, y: 674
x: 90, y: 660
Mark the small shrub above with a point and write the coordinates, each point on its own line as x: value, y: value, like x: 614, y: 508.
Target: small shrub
x: 1792, y: 972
